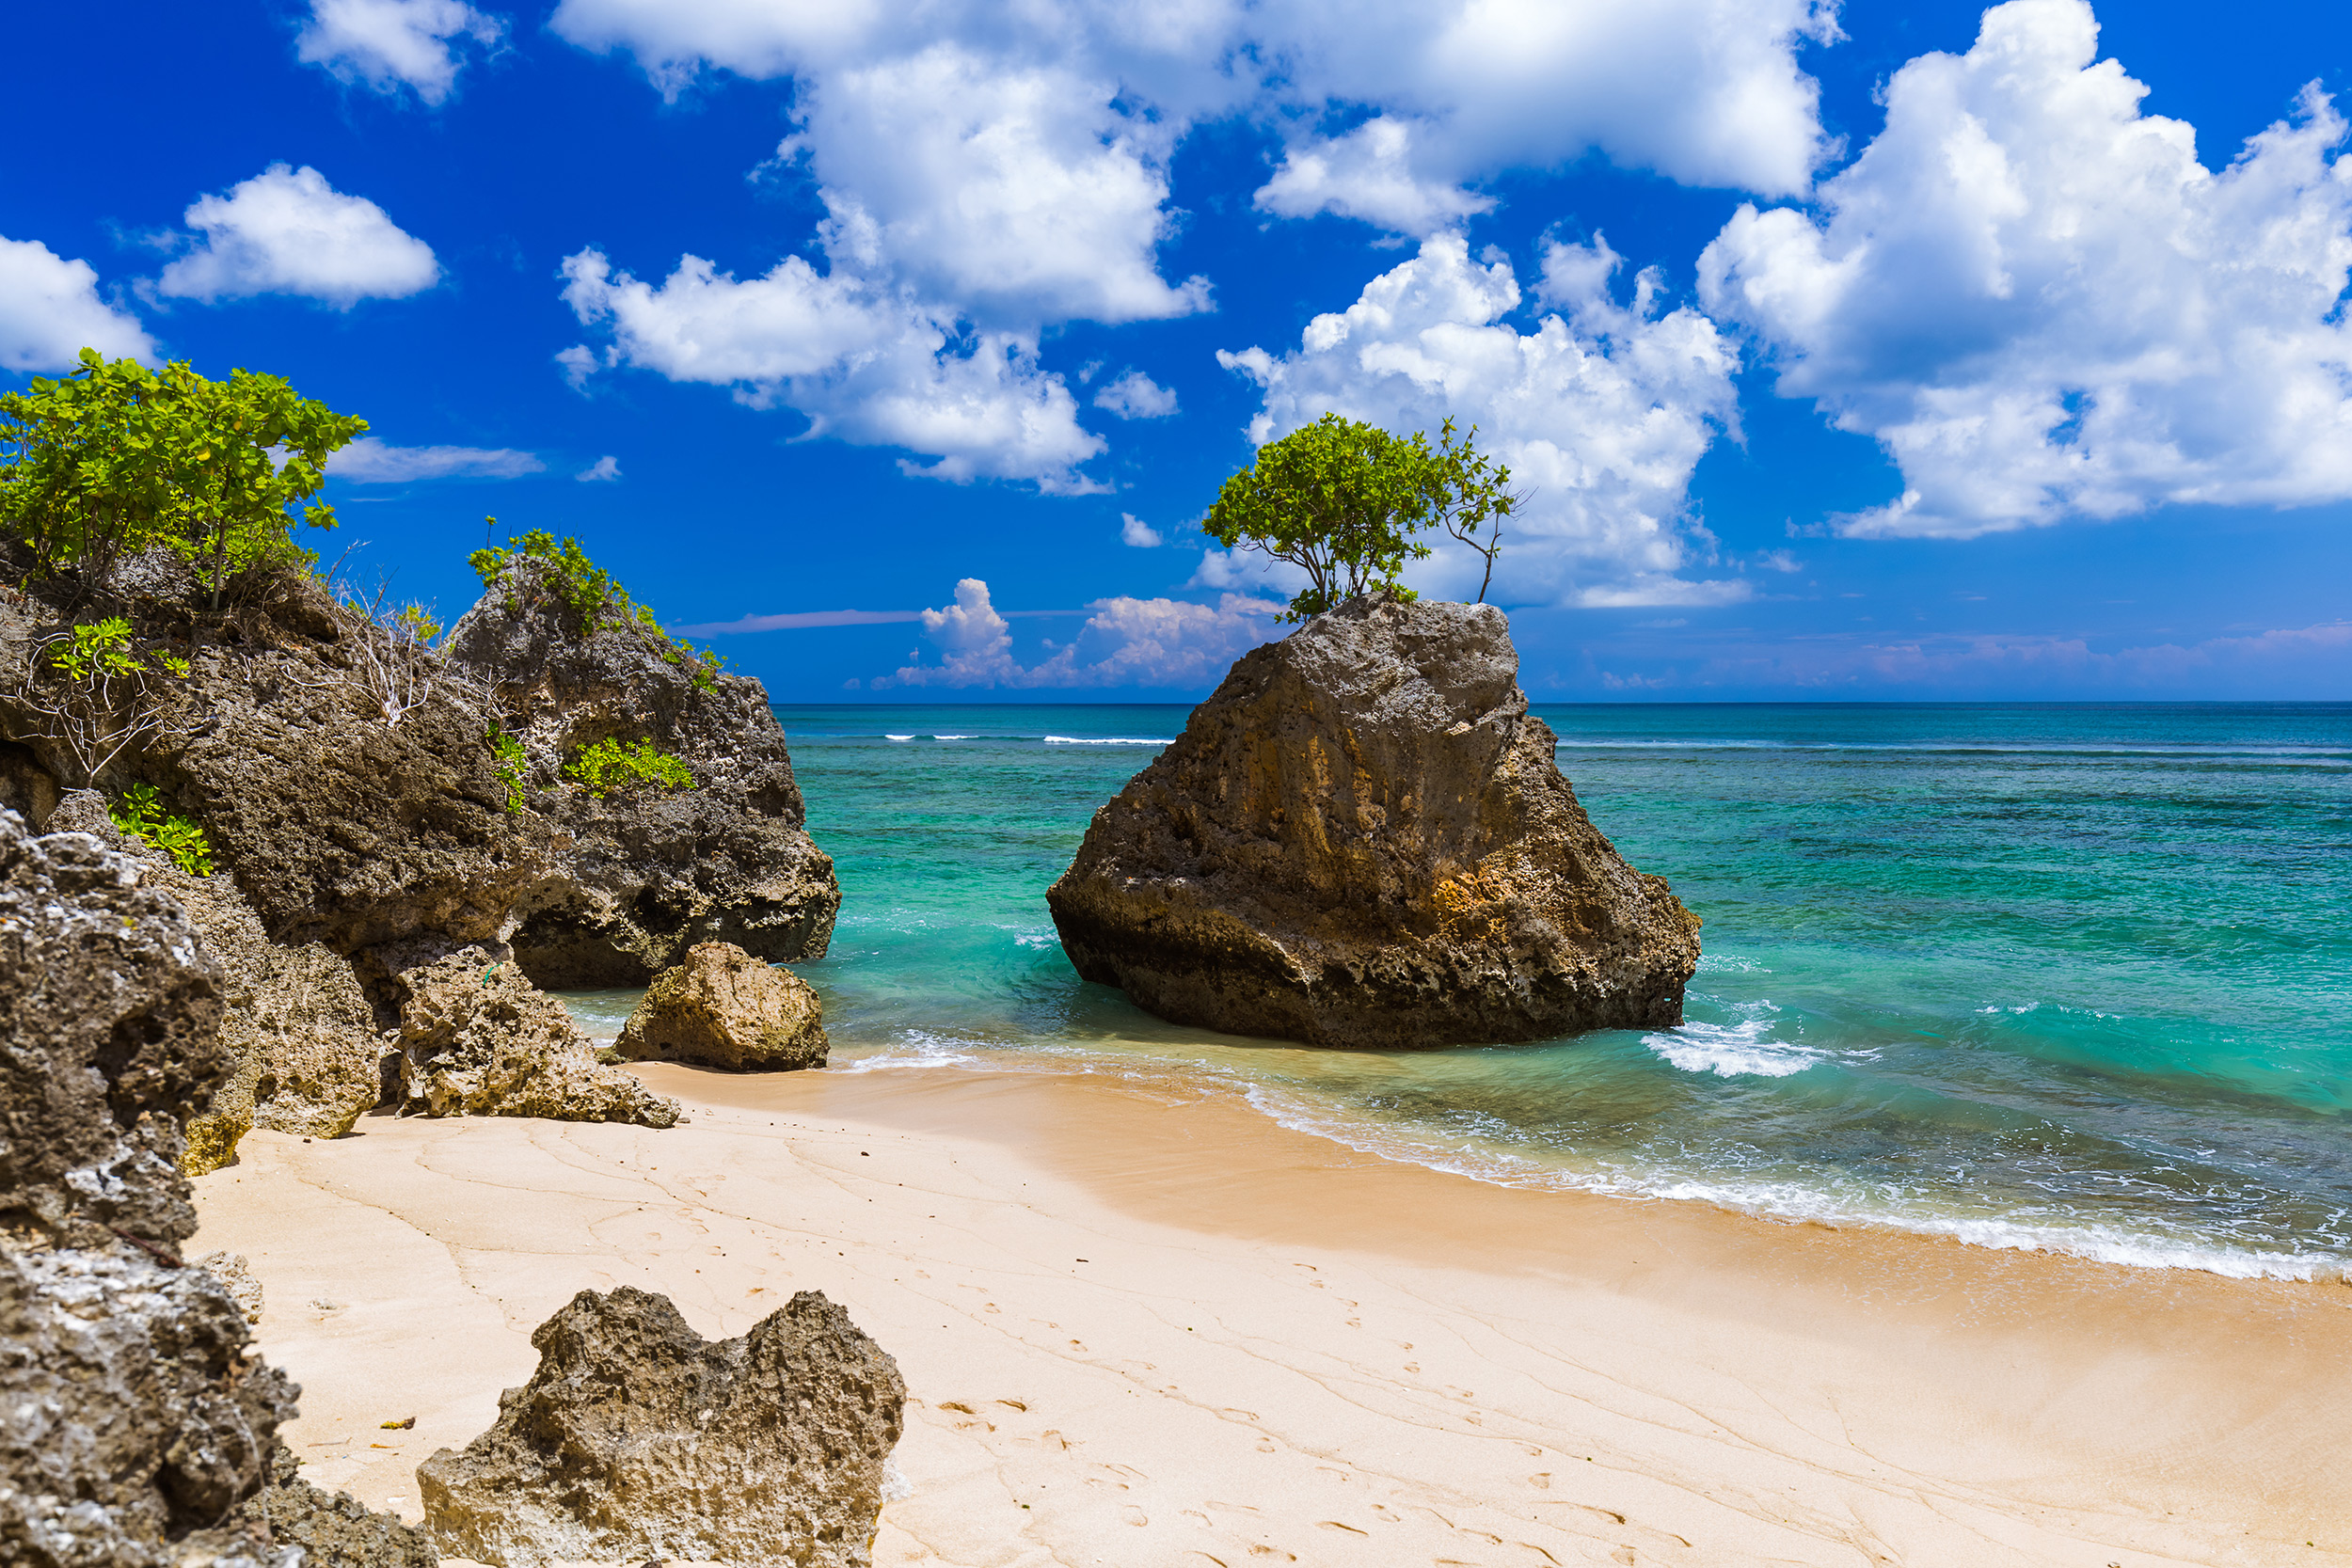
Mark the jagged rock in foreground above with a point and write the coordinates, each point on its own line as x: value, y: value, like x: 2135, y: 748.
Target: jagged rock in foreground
x: 722, y: 1008
x: 335, y: 1529
x: 477, y: 1038
x: 636, y: 1439
x: 633, y: 881
x: 1362, y: 839
x: 134, y: 1420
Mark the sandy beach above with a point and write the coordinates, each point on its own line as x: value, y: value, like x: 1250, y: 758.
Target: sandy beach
x: 1142, y: 1327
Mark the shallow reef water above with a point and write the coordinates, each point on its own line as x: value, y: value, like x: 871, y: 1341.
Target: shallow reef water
x: 2072, y: 977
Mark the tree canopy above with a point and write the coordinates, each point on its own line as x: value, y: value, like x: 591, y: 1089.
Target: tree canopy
x: 1343, y: 501
x: 115, y: 458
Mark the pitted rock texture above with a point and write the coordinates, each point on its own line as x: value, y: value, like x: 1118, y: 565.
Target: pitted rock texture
x: 134, y: 1421
x: 300, y: 1033
x: 722, y: 1008
x: 633, y: 880
x: 335, y: 1529
x: 476, y: 1037
x: 113, y: 1029
x: 1362, y: 839
x: 636, y: 1439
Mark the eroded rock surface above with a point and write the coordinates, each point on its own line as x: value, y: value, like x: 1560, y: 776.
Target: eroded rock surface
x: 477, y: 1038
x: 335, y: 1529
x: 722, y: 1008
x: 636, y: 1439
x: 134, y: 1419
x: 1362, y: 839
x: 634, y: 879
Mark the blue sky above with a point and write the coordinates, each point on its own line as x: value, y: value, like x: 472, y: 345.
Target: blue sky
x: 1878, y: 351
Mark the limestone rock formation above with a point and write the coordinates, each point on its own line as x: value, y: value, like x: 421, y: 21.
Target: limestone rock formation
x: 335, y: 1529
x: 136, y: 1420
x: 1362, y: 839
x: 633, y: 881
x: 304, y: 1055
x: 477, y: 1038
x: 636, y: 1439
x: 722, y: 1008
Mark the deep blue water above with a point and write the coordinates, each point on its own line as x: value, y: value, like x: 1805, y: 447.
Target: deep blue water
x: 2064, y: 977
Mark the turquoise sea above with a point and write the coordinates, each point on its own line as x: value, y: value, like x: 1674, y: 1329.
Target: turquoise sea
x: 2068, y: 977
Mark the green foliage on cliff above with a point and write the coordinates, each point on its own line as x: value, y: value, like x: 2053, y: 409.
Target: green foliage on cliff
x: 601, y: 603
x: 511, y: 764
x: 115, y: 458
x: 1344, y: 501
x: 611, y: 767
x: 95, y: 650
x: 140, y: 813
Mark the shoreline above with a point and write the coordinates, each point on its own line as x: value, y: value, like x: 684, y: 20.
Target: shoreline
x: 1177, y: 1332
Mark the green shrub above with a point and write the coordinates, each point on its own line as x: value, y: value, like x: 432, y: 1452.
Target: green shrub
x: 141, y: 814
x: 114, y: 457
x: 510, y: 767
x: 610, y: 768
x: 601, y: 603
x: 98, y: 648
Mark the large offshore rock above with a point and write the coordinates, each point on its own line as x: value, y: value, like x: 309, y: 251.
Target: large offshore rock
x: 636, y: 1439
x: 633, y: 880
x: 722, y: 1008
x: 477, y: 1038
x: 133, y: 1421
x: 1362, y: 839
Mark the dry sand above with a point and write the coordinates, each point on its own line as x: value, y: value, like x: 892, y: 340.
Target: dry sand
x: 1142, y: 1328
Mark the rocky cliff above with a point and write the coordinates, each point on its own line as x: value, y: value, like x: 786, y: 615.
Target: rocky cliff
x: 1362, y: 839
x: 632, y: 879
x: 140, y: 1428
x: 362, y: 822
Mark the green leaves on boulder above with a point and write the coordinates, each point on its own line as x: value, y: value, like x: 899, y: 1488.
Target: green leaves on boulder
x: 141, y: 814
x: 611, y: 767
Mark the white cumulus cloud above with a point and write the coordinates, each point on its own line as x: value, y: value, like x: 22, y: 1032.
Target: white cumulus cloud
x: 50, y: 312
x: 1136, y: 531
x: 370, y: 461
x: 390, y: 44
x: 994, y: 171
x: 603, y: 469
x: 2044, y: 306
x: 1124, y: 641
x: 287, y: 231
x: 860, y: 362
x: 1602, y: 410
x: 1137, y: 396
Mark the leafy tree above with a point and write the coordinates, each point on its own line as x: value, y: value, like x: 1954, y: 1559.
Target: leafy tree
x: 1343, y: 500
x: 115, y: 458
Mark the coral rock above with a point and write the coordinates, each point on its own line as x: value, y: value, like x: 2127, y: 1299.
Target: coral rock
x: 335, y: 1529
x: 476, y: 1037
x: 633, y: 881
x: 1362, y: 839
x: 722, y: 1008
x: 636, y: 1439
x: 137, y: 1420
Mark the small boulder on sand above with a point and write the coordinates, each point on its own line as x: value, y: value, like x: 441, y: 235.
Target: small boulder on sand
x: 722, y: 1008
x: 636, y: 1439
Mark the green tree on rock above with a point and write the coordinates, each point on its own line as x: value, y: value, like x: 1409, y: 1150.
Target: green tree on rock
x: 1343, y: 500
x: 115, y: 458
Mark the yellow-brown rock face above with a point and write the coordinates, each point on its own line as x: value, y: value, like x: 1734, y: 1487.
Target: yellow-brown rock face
x: 1362, y: 839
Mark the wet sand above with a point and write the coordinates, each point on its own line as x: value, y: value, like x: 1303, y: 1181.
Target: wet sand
x: 1145, y: 1328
